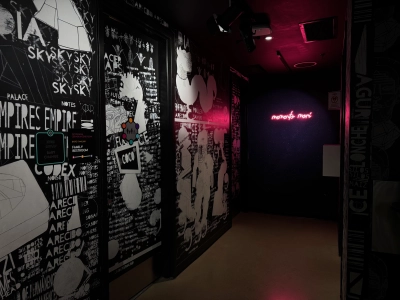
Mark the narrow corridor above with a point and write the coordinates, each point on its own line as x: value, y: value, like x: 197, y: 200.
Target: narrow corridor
x: 263, y: 257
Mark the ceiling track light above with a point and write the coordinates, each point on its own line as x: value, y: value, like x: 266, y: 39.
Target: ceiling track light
x: 246, y: 31
x: 252, y: 26
x: 222, y: 23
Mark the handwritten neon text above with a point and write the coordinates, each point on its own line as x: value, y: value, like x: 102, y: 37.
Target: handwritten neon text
x: 291, y: 116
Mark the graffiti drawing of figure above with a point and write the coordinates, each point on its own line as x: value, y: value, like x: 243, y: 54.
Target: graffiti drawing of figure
x: 184, y: 184
x: 220, y: 207
x: 115, y: 116
x: 132, y: 89
x: 202, y: 180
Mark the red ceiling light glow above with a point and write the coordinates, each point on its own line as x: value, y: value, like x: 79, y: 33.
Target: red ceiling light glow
x: 291, y: 116
x: 306, y: 64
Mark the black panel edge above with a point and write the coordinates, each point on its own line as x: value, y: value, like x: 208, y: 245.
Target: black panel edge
x: 102, y: 144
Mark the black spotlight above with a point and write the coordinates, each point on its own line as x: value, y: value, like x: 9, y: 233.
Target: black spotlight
x: 223, y: 22
x: 246, y: 31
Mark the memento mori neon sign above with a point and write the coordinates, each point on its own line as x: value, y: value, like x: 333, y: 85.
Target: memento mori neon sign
x: 291, y: 116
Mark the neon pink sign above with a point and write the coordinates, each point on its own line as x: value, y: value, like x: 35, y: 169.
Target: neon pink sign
x: 291, y: 116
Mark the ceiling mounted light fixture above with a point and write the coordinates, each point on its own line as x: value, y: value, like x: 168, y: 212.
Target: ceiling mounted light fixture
x: 252, y: 25
x: 305, y: 64
x: 246, y: 32
x: 222, y: 23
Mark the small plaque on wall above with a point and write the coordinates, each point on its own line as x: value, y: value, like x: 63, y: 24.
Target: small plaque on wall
x: 50, y: 148
x: 334, y: 100
x: 128, y: 159
x: 81, y: 145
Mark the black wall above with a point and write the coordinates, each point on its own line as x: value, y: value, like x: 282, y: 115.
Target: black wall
x: 285, y: 157
x: 371, y: 255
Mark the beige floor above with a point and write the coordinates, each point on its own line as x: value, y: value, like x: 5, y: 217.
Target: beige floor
x: 262, y: 257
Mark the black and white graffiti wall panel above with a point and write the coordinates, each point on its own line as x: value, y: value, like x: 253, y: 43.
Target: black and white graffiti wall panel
x: 202, y: 147
x: 133, y: 139
x: 235, y: 131
x: 49, y: 169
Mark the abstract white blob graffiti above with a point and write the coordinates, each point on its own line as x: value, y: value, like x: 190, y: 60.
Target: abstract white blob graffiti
x: 155, y: 217
x: 184, y: 187
x: 148, y: 157
x: 184, y: 66
x: 24, y: 208
x: 207, y: 93
x: 220, y: 207
x: 157, y: 196
x: 33, y: 29
x: 131, y: 192
x: 69, y: 277
x: 189, y: 92
x: 113, y: 248
x: 131, y: 87
x: 140, y: 57
x: 75, y: 220
x: 115, y: 116
x: 7, y: 22
x: 64, y: 16
x: 203, y: 180
x: 139, y: 116
x: 188, y: 236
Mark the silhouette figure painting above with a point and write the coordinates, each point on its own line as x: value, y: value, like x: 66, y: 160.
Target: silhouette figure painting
x: 203, y: 181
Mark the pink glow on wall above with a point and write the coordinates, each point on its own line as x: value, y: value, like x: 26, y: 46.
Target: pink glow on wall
x: 292, y: 116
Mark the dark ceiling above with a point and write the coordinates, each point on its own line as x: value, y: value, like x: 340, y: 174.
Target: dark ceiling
x: 190, y: 16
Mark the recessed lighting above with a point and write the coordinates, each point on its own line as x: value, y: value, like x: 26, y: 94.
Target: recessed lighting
x: 306, y: 64
x: 268, y: 38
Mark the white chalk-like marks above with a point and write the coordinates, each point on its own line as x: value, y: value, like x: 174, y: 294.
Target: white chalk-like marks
x: 75, y: 221
x: 155, y: 217
x: 115, y: 116
x: 131, y: 87
x: 157, y: 196
x: 113, y: 248
x: 198, y: 88
x: 26, y: 209
x: 219, y: 136
x: 69, y: 277
x: 7, y: 22
x: 148, y: 157
x: 63, y: 16
x: 131, y: 192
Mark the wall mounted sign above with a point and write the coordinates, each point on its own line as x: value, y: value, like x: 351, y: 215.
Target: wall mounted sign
x: 128, y: 158
x: 50, y: 148
x: 292, y: 116
x: 334, y: 100
x: 81, y: 145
